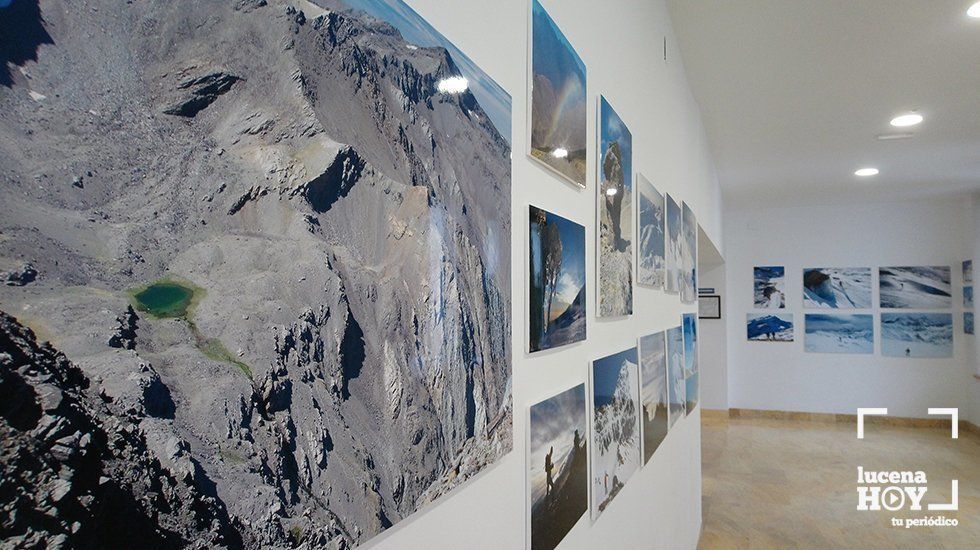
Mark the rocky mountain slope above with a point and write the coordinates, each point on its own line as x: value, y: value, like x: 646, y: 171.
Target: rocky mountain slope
x: 347, y: 359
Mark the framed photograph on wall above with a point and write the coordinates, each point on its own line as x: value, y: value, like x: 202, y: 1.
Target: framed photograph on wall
x: 709, y: 306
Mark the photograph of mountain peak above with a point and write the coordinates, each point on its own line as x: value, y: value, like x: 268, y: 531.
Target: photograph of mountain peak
x: 615, y: 426
x: 272, y: 236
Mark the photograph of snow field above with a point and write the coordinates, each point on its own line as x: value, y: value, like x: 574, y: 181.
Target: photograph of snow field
x: 769, y: 327
x: 837, y: 287
x: 916, y: 287
x: 967, y: 271
x: 769, y: 287
x: 653, y: 391
x: 689, y: 255
x: 558, y: 466
x: 650, y: 267
x: 691, y: 369
x: 917, y: 334
x: 676, y: 386
x: 673, y: 246
x: 968, y: 322
x: 839, y: 333
x: 968, y: 297
x: 615, y: 426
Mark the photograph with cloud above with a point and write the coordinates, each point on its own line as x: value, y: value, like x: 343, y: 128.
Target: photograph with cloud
x: 556, y: 289
x: 653, y: 392
x: 839, y: 333
x: 558, y: 101
x: 558, y: 466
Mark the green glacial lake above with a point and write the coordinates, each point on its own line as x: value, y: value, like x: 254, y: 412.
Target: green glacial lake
x: 168, y: 299
x: 165, y: 299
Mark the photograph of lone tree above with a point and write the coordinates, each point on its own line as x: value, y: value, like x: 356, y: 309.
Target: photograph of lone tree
x: 557, y: 281
x: 558, y: 467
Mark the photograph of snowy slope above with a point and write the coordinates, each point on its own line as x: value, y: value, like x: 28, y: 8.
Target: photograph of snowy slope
x: 676, y: 385
x: 917, y: 335
x: 769, y: 327
x: 968, y: 297
x: 558, y: 467
x: 277, y: 239
x: 837, y: 287
x: 691, y: 369
x: 689, y: 255
x: 839, y: 333
x: 967, y: 271
x: 651, y: 263
x: 769, y: 287
x: 653, y: 391
x: 615, y: 426
x: 673, y: 246
x: 556, y: 283
x: 968, y: 322
x: 916, y: 287
x: 558, y: 102
x: 615, y: 196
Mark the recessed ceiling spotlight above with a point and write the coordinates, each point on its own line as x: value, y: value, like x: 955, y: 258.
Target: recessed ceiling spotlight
x: 974, y: 10
x: 866, y: 172
x: 908, y: 119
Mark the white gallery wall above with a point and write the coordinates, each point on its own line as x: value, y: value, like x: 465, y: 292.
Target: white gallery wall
x: 781, y: 376
x: 714, y: 349
x: 621, y: 43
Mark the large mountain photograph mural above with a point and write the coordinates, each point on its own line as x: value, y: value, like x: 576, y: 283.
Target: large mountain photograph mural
x: 257, y: 258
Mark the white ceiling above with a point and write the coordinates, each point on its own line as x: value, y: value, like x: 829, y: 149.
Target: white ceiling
x: 794, y: 92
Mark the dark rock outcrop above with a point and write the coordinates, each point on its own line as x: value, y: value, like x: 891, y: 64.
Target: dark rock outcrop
x: 125, y: 335
x: 198, y: 92
x: 25, y: 274
x: 73, y: 470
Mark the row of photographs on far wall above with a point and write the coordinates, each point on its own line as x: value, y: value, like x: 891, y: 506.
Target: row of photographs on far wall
x: 906, y: 287
x: 903, y: 334
x: 661, y: 235
x: 583, y: 447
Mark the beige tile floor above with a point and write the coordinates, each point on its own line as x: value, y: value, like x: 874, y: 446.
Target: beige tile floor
x: 793, y: 484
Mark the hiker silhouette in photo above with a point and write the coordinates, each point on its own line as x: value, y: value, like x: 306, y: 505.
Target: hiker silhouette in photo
x: 578, y: 440
x: 549, y: 467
